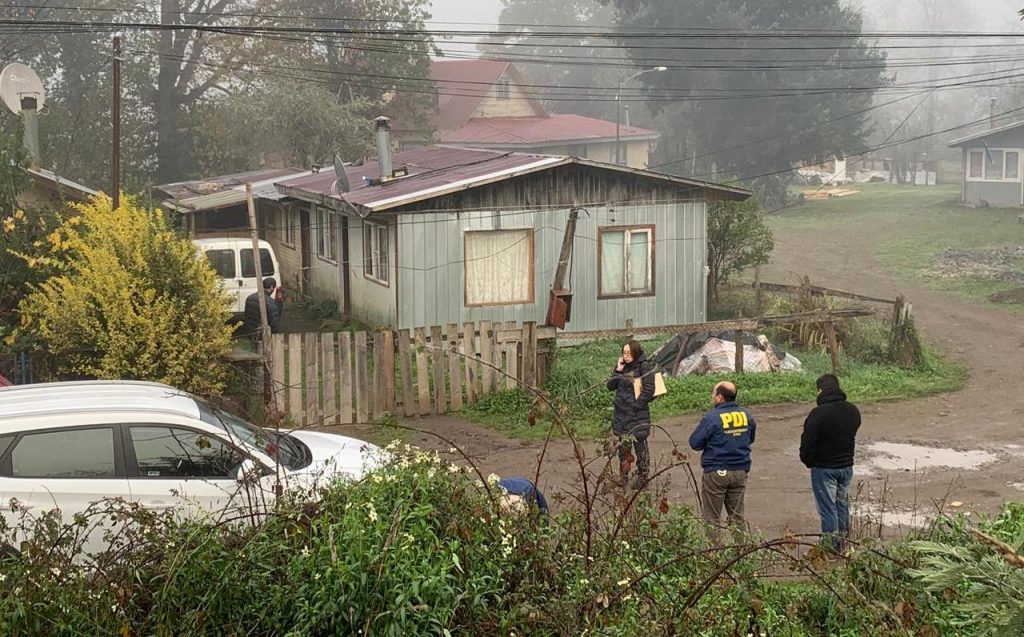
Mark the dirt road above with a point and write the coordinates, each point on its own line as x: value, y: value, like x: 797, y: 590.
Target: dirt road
x: 966, y: 447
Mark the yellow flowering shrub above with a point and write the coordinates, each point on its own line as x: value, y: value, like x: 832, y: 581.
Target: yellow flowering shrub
x: 129, y: 299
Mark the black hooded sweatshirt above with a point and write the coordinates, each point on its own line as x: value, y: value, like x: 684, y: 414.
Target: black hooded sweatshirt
x: 632, y: 414
x: 830, y: 432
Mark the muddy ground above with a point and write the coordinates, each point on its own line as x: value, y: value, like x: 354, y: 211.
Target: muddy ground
x: 965, y: 448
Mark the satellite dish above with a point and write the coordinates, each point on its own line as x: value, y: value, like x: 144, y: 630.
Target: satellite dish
x: 341, y: 184
x: 18, y: 81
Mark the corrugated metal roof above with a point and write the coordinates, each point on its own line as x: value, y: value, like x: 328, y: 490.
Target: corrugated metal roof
x: 985, y: 133
x: 540, y: 131
x: 235, y: 195
x: 439, y: 170
x: 61, y: 182
x: 197, y: 187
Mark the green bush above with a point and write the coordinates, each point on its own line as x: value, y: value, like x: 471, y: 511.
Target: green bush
x: 422, y: 548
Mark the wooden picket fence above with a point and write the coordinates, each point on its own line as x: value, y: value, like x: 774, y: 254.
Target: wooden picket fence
x: 361, y: 377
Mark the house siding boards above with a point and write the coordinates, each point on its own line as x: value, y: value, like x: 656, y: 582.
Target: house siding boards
x: 431, y: 249
x: 372, y: 302
x: 517, y: 104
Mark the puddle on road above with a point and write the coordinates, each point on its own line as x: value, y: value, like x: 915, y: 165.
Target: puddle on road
x: 896, y: 456
x: 892, y: 519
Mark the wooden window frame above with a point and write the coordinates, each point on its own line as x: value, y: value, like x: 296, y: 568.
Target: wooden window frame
x: 531, y: 299
x: 652, y: 244
x: 504, y: 89
x: 370, y: 227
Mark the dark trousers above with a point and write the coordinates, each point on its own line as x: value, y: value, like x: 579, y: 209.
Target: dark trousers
x: 831, y: 489
x: 723, y: 488
x: 634, y: 447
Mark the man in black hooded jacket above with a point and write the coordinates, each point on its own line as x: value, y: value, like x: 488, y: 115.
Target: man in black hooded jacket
x: 827, y: 448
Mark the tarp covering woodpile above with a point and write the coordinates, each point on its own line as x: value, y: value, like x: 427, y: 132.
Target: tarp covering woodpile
x: 715, y: 353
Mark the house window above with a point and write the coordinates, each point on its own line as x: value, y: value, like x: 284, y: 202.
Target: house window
x: 375, y: 252
x: 977, y: 161
x: 623, y: 157
x: 288, y: 223
x: 326, y: 246
x: 503, y: 89
x: 626, y: 261
x: 1012, y: 165
x: 990, y: 164
x: 994, y: 165
x: 498, y: 267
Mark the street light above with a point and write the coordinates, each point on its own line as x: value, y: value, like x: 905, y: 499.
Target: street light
x: 618, y: 104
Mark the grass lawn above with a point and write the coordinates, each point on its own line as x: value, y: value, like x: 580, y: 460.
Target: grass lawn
x: 919, y: 223
x: 577, y: 380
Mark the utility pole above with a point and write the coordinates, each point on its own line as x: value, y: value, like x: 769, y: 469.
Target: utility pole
x: 115, y: 167
x: 257, y: 262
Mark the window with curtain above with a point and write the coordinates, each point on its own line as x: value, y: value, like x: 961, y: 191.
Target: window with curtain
x: 375, y: 252
x: 498, y: 267
x: 326, y: 246
x: 626, y: 261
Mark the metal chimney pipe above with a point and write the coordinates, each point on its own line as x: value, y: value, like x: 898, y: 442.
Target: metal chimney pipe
x: 992, y: 112
x: 383, y: 128
x: 31, y: 123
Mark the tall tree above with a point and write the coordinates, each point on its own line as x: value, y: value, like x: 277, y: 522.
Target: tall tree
x: 729, y: 86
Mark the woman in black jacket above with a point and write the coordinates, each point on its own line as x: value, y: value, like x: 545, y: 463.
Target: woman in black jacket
x: 631, y: 422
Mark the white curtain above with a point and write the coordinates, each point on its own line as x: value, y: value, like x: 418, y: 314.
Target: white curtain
x: 639, y: 259
x: 613, y: 262
x: 498, y: 267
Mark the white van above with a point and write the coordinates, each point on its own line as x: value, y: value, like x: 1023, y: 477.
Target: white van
x: 232, y: 259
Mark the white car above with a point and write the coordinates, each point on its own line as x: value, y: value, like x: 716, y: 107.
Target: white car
x: 69, y: 445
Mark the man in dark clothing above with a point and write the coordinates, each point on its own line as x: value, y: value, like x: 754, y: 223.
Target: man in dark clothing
x: 632, y: 381
x: 252, y: 310
x: 826, y: 448
x: 724, y: 436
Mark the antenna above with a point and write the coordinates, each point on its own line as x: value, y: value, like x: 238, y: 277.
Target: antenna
x: 17, y: 81
x: 341, y: 184
x: 22, y: 92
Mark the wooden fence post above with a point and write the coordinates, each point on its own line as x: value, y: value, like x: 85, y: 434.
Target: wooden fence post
x: 422, y: 373
x: 454, y: 366
x: 405, y: 369
x: 380, y: 372
x: 313, y: 380
x: 362, y: 373
x: 295, y: 378
x: 833, y: 346
x: 345, y: 377
x: 328, y: 360
x: 469, y: 348
x: 388, y: 362
x: 530, y: 353
x: 487, y: 356
x: 758, y: 294
x: 739, y: 351
x: 438, y: 353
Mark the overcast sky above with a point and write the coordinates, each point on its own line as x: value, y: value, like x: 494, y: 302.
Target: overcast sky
x: 461, y: 11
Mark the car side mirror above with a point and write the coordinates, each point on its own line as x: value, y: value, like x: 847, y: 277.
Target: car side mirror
x: 246, y: 469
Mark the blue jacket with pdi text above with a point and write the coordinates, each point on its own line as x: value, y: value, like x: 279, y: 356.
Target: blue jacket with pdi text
x: 725, y: 434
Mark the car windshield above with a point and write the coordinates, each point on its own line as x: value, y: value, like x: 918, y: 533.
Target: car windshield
x: 286, y: 449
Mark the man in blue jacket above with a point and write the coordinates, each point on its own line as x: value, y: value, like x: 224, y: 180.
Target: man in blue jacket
x: 724, y: 435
